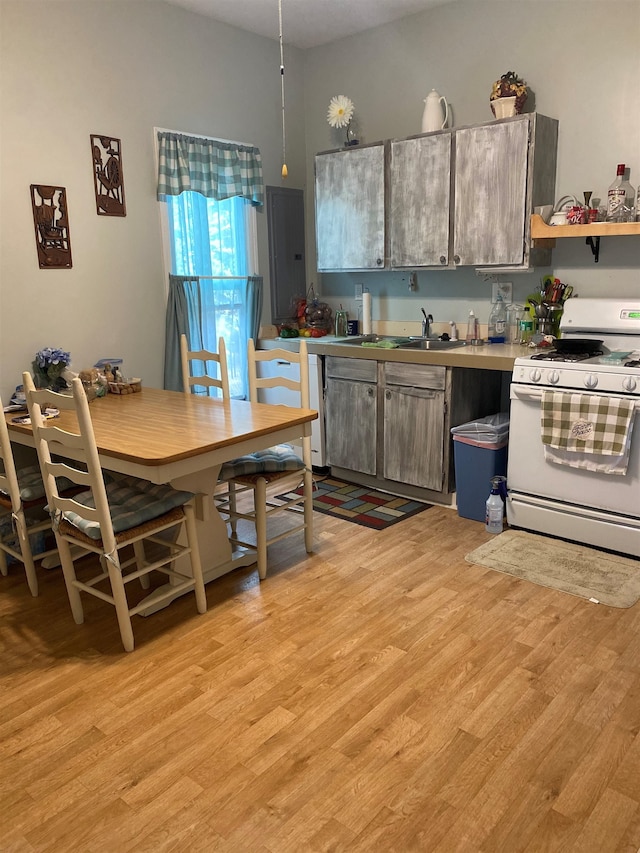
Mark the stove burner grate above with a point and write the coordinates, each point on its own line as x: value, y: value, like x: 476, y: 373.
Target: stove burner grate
x: 554, y: 355
x: 633, y: 363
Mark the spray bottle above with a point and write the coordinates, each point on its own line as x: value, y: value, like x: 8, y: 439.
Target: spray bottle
x: 495, y: 508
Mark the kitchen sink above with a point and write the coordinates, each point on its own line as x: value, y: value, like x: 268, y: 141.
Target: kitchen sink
x: 431, y: 343
x: 410, y: 342
x: 375, y: 339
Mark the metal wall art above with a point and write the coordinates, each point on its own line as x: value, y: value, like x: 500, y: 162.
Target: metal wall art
x: 107, y: 175
x: 50, y: 219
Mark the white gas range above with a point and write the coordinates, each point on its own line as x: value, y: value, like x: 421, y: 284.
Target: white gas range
x: 593, y: 506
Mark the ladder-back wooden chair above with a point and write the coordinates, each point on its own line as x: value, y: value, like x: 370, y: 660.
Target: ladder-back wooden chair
x: 198, y: 367
x: 281, y: 464
x: 201, y: 377
x: 22, y: 498
x: 109, y: 515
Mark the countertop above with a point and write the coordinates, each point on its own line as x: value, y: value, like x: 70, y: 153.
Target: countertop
x: 486, y: 357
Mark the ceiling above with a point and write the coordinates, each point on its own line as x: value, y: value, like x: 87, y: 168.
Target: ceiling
x: 308, y: 23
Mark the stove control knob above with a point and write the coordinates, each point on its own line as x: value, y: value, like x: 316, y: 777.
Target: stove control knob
x: 554, y: 377
x: 629, y: 383
x: 590, y: 380
x: 535, y: 375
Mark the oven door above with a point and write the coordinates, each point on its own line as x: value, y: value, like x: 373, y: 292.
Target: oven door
x: 530, y: 474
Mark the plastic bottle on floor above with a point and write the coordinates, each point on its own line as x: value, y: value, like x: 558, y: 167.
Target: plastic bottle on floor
x: 495, y: 508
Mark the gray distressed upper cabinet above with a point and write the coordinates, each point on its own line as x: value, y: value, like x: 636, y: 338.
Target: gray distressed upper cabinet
x: 469, y: 203
x: 461, y: 197
x: 350, y: 208
x: 420, y: 194
x: 502, y: 170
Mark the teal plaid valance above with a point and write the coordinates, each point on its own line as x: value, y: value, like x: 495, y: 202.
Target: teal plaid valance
x: 215, y: 169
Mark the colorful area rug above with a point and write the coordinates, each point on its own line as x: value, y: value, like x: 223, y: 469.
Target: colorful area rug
x: 599, y: 576
x: 364, y: 506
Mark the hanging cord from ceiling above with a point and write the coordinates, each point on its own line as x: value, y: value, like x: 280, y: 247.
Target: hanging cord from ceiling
x: 285, y: 171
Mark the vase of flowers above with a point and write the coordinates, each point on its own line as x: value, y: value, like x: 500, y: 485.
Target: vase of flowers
x: 48, y: 366
x: 508, y: 95
x: 340, y: 114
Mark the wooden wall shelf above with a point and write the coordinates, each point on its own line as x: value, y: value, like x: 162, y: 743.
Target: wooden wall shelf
x: 544, y: 235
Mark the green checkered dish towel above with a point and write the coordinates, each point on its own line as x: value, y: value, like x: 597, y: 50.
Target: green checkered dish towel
x: 587, y: 431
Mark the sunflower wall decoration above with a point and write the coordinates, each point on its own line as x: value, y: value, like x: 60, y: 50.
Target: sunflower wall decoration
x: 340, y: 114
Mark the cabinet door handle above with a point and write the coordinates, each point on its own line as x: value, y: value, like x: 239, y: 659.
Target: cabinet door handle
x: 379, y: 261
x: 443, y: 259
x: 370, y: 392
x: 456, y: 259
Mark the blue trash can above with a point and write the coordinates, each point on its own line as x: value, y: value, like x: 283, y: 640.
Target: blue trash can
x: 479, y: 453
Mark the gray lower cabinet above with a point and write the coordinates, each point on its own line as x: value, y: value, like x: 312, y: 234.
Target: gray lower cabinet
x: 351, y: 410
x: 414, y: 414
x: 388, y: 423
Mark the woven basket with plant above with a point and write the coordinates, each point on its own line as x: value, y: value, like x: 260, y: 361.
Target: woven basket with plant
x: 509, y: 86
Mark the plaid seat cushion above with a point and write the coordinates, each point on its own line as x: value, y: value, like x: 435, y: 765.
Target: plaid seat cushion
x: 32, y: 485
x: 30, y: 482
x: 273, y: 460
x: 132, y: 502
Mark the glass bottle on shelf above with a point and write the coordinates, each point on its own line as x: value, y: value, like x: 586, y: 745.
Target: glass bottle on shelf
x: 620, y: 198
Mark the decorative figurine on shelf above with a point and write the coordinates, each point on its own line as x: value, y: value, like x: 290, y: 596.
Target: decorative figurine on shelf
x: 508, y: 95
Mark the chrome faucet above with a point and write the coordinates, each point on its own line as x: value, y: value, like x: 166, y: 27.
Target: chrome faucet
x: 426, y: 324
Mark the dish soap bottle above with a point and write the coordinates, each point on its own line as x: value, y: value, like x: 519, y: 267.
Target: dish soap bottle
x: 494, y: 508
x: 472, y: 327
x: 498, y: 322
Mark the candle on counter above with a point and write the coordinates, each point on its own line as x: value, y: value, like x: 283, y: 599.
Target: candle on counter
x: 366, y: 313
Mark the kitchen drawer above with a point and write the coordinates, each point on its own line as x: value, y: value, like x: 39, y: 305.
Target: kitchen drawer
x: 356, y: 369
x: 415, y: 375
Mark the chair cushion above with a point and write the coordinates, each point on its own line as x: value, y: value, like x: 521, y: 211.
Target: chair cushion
x: 132, y: 502
x: 31, y: 483
x: 273, y: 460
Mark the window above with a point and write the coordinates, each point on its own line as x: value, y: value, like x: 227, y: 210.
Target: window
x: 211, y: 238
x: 211, y: 189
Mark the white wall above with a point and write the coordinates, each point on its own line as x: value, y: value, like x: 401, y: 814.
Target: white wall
x: 581, y: 59
x: 70, y: 69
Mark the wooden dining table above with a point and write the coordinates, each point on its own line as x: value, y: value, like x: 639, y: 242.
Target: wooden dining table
x: 183, y: 439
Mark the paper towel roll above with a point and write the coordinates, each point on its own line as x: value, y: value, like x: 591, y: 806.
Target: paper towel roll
x: 366, y: 313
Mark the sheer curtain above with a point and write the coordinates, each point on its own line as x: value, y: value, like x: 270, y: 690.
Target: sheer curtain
x: 212, y: 190
x: 205, y: 309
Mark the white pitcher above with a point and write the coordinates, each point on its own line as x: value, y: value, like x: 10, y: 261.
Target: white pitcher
x: 435, y: 115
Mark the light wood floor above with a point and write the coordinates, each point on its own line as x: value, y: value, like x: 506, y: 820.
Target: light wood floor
x: 380, y: 695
